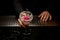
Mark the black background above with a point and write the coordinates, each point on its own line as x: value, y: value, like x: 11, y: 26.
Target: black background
x: 7, y: 7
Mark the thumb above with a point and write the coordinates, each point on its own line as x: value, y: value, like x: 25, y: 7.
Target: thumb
x: 20, y: 23
x: 39, y: 15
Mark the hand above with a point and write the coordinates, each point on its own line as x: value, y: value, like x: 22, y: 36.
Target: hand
x: 24, y: 18
x: 23, y: 24
x: 44, y: 16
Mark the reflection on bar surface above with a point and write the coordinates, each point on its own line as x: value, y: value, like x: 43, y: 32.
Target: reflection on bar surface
x: 11, y: 21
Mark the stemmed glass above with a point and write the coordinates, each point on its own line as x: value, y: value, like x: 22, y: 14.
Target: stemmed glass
x: 26, y: 17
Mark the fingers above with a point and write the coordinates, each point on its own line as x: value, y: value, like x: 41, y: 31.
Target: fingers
x: 44, y: 16
x: 50, y: 18
x: 20, y: 23
x: 23, y: 24
x: 39, y: 15
x: 41, y: 18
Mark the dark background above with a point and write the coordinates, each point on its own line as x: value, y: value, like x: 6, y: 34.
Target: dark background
x: 7, y: 7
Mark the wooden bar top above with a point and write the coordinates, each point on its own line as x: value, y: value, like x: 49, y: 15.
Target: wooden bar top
x: 10, y: 21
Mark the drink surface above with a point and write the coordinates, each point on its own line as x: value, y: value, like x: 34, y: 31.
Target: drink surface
x: 26, y: 16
